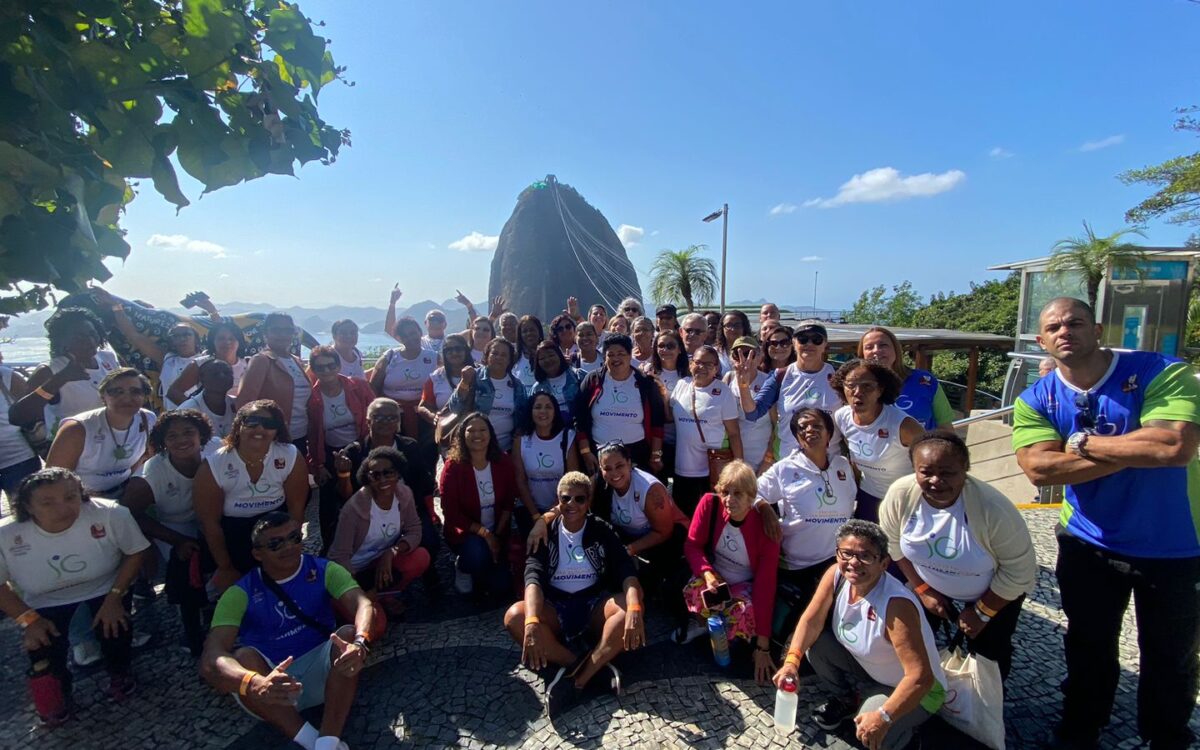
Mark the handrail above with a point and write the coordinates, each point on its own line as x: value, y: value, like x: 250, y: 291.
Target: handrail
x: 993, y: 414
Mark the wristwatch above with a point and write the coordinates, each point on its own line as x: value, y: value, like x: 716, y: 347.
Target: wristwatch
x: 362, y: 643
x: 883, y: 714
x: 1077, y: 444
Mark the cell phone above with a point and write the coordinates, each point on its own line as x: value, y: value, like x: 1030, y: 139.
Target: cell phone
x: 714, y: 598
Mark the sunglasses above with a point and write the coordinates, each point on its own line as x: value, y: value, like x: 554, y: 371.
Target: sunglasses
x: 386, y: 418
x: 611, y: 444
x: 279, y: 542
x: 668, y: 345
x: 779, y: 342
x: 695, y: 331
x: 384, y: 474
x: 563, y: 327
x: 331, y: 367
x: 267, y: 423
x: 810, y: 338
x: 1084, y: 404
x: 580, y: 499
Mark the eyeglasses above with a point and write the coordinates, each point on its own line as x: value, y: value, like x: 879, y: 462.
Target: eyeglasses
x: 280, y: 542
x: 779, y: 342
x: 330, y: 367
x: 703, y: 364
x: 257, y: 420
x: 119, y: 392
x: 695, y: 331
x: 1083, y: 403
x: 865, y: 386
x: 384, y: 474
x: 732, y: 326
x: 563, y: 327
x: 866, y: 558
x: 580, y: 499
x: 610, y: 444
x: 385, y: 418
x: 810, y: 338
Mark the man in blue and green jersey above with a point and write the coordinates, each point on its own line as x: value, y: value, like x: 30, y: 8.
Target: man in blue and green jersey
x: 1120, y: 430
x: 275, y: 644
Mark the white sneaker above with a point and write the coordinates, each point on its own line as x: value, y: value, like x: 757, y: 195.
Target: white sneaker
x: 463, y: 582
x: 86, y: 653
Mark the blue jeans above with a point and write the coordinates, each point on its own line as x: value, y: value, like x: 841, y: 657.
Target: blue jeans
x: 475, y: 559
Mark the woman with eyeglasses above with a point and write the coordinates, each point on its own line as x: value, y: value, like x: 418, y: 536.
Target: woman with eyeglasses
x: 963, y: 547
x: 337, y: 417
x: 481, y: 333
x: 562, y: 332
x: 706, y: 413
x: 160, y: 498
x: 104, y: 446
x: 276, y: 374
x: 540, y: 458
x: 620, y: 403
x: 734, y: 325
x: 213, y: 399
x: 478, y: 488
x: 921, y: 395
x: 668, y: 365
x: 492, y: 390
x: 401, y: 374
x: 877, y: 654
x: 224, y: 341
x: 258, y: 470
x: 529, y: 336
x: 877, y: 432
x: 590, y: 584
x: 65, y: 553
x: 757, y: 436
x: 456, y: 354
x: 805, y: 382
x: 812, y: 492
x: 379, y: 532
x: 643, y: 341
x: 734, y: 565
x: 587, y: 357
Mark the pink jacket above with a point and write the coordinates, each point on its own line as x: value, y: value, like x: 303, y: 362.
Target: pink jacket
x: 355, y: 519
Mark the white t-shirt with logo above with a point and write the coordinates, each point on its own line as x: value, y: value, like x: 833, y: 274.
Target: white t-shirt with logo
x: 353, y: 369
x: 629, y: 509
x: 301, y: 389
x: 813, y: 503
x: 732, y: 558
x: 574, y: 572
x: 558, y: 387
x: 71, y: 566
x: 442, y: 387
x: 221, y: 423
x: 756, y: 435
x: 798, y: 390
x: 340, y: 427
x: 77, y: 396
x: 405, y: 378
x: 544, y: 466
x: 503, y: 413
x: 172, y: 367
x: 173, y: 505
x: 246, y: 499
x: 617, y: 413
x: 487, y: 497
x: 592, y: 366
x: 876, y: 448
x: 382, y: 532
x: 108, y: 453
x: 715, y: 404
x: 523, y: 371
x: 939, y: 544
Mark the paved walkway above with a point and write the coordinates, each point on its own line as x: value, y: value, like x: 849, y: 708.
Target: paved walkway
x: 448, y: 677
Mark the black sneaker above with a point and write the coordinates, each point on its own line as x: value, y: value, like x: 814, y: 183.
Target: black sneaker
x: 832, y: 714
x: 561, y: 693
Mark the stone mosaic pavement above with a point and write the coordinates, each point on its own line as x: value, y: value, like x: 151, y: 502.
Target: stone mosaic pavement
x: 448, y: 677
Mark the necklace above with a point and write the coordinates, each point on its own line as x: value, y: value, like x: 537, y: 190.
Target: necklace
x: 120, y: 451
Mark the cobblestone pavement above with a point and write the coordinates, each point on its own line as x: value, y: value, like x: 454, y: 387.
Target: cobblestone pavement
x: 448, y: 677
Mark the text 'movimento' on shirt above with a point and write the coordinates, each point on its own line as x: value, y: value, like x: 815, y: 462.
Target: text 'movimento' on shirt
x: 1140, y: 512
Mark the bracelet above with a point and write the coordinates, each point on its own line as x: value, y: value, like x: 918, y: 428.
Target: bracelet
x: 983, y: 617
x: 117, y: 591
x: 532, y: 620
x: 43, y: 393
x: 792, y: 659
x: 634, y: 608
x: 921, y: 588
x: 28, y: 617
x: 984, y: 609
x: 344, y: 474
x: 246, y: 680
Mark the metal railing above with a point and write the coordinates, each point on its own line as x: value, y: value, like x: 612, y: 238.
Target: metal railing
x: 1000, y: 413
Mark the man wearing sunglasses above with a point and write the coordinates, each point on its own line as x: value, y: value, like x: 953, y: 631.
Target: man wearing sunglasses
x: 693, y: 330
x: 1120, y: 430
x: 275, y: 644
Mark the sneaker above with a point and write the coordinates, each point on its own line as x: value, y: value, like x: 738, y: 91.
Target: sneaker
x: 121, y: 686
x: 615, y: 683
x: 689, y: 632
x: 87, y: 653
x: 49, y: 699
x: 463, y: 583
x: 561, y: 693
x: 832, y: 714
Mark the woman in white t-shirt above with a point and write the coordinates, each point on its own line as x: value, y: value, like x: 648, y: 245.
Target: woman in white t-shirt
x: 756, y: 435
x: 104, y: 446
x: 345, y: 342
x: 258, y: 470
x: 17, y: 459
x: 164, y: 483
x: 587, y: 356
x: 529, y: 335
x: 668, y: 364
x: 378, y: 535
x: 553, y: 374
x: 642, y: 333
x: 213, y: 400
x: 62, y: 553
x: 225, y: 342
x: 456, y: 354
x: 541, y: 458
x: 401, y: 374
x: 706, y: 415
x: 876, y: 431
x: 492, y: 389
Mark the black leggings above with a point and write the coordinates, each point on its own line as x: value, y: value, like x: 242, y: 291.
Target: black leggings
x: 53, y: 658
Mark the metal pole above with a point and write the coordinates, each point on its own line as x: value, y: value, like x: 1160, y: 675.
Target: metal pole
x: 816, y: 275
x: 724, y: 248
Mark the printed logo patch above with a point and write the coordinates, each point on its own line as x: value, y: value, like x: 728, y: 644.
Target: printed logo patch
x: 311, y: 576
x: 841, y: 475
x: 1130, y: 385
x: 98, y: 531
x: 280, y: 463
x: 883, y: 433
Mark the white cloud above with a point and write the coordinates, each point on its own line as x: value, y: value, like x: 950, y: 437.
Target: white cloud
x: 886, y: 184
x: 811, y: 259
x: 1112, y: 140
x: 223, y: 276
x: 654, y: 233
x: 476, y: 242
x: 782, y: 208
x: 184, y: 243
x: 1000, y: 153
x: 629, y: 234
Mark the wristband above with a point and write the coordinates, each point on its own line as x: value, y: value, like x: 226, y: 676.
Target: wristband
x: 634, y: 608
x: 117, y: 591
x: 364, y: 637
x: 921, y: 588
x: 985, y: 609
x: 43, y: 393
x: 982, y: 613
x: 246, y: 680
x: 28, y: 617
x: 792, y: 659
x: 344, y: 474
x: 532, y: 620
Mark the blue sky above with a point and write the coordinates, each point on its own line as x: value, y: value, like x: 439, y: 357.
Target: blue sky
x: 991, y: 129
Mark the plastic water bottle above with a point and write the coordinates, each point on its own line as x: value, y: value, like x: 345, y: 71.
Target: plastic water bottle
x: 720, y: 643
x: 785, y: 706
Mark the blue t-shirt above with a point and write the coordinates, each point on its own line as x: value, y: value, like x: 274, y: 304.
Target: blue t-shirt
x: 916, y: 397
x: 1140, y: 512
x: 265, y: 623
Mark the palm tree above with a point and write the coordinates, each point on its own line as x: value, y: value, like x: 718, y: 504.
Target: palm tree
x: 1091, y: 256
x: 682, y: 275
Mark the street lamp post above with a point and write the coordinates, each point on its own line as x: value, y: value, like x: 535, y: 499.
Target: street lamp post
x: 723, y: 214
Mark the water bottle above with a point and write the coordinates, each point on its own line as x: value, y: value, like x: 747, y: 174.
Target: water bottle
x: 785, y: 706
x: 720, y: 643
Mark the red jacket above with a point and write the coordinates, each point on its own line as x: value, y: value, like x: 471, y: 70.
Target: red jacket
x: 460, y: 496
x: 358, y: 397
x: 763, y: 553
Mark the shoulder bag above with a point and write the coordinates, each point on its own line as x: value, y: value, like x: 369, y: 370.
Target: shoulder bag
x: 718, y: 458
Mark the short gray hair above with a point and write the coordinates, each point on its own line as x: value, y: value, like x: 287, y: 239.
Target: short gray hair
x: 866, y: 530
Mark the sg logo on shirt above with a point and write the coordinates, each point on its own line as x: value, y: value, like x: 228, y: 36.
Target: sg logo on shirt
x: 620, y: 397
x: 66, y: 565
x: 942, y: 547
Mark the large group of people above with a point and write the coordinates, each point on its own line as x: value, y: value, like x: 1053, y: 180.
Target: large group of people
x: 791, y: 507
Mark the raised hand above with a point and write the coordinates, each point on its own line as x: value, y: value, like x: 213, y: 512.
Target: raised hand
x: 461, y: 298
x: 396, y: 293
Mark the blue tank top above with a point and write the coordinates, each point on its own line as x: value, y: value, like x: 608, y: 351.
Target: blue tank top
x: 916, y: 397
x: 271, y: 628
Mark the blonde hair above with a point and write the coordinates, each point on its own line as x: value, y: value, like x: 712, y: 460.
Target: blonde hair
x: 574, y: 479
x: 737, y: 476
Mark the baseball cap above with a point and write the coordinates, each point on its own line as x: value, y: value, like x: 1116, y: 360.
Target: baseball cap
x: 666, y: 310
x: 748, y: 341
x: 810, y: 326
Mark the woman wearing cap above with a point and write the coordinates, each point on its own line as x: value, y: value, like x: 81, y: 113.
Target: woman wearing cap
x: 345, y: 343
x: 706, y: 414
x: 805, y: 382
x: 757, y: 436
x: 668, y: 365
x: 921, y: 395
x: 587, y: 356
x: 620, y: 403
x: 876, y: 431
x: 276, y: 374
x: 643, y: 341
x: 734, y: 325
